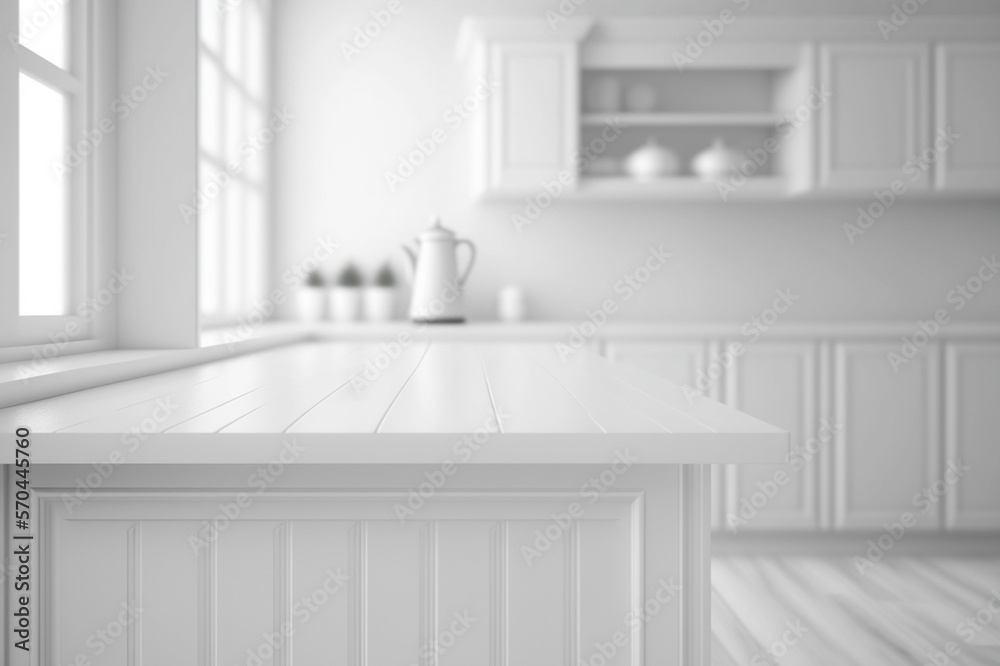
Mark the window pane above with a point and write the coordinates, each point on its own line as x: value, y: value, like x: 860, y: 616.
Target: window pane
x: 210, y: 16
x: 234, y: 247
x: 255, y: 261
x: 43, y: 229
x: 235, y: 127
x: 254, y: 157
x: 209, y: 245
x: 233, y: 54
x: 255, y: 49
x: 209, y: 106
x: 43, y: 27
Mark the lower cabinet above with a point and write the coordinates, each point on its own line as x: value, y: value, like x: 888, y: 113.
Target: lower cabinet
x: 777, y: 384
x: 880, y: 435
x: 972, y: 434
x: 680, y: 362
x: 888, y: 448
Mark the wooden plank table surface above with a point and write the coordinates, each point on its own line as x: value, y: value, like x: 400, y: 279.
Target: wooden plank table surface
x: 371, y: 403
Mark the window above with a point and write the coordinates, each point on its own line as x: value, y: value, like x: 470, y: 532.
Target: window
x: 43, y: 200
x: 40, y: 292
x: 48, y: 101
x: 235, y: 132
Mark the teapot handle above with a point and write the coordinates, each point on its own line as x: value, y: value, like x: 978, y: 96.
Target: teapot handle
x: 472, y: 259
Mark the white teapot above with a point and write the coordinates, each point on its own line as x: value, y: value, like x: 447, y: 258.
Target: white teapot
x: 433, y: 271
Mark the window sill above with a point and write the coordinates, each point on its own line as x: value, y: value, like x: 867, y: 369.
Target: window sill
x: 27, y: 381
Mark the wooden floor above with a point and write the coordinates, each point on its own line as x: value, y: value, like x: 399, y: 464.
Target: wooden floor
x: 902, y: 611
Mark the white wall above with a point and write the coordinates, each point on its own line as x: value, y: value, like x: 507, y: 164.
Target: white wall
x: 157, y: 158
x: 354, y: 120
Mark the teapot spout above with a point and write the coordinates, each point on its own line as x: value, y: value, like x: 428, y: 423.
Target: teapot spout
x: 411, y: 262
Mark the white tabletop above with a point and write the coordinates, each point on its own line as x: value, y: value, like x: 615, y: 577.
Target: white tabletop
x: 423, y: 402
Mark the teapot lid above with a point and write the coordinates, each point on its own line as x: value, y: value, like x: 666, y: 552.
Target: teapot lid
x: 437, y: 232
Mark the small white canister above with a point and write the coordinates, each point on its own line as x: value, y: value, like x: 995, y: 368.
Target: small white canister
x: 512, y: 305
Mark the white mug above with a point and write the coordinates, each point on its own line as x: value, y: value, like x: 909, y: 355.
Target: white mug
x: 511, y: 304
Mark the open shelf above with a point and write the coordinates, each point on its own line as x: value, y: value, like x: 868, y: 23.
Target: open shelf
x: 746, y: 108
x: 763, y: 119
x: 680, y: 188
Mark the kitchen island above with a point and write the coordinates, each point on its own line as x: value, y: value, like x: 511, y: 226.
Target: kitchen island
x: 412, y: 502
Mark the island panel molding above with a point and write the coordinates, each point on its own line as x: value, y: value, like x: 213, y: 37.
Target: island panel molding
x: 532, y: 589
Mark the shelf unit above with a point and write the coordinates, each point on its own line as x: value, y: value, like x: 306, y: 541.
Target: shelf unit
x: 837, y: 109
x: 744, y: 104
x: 680, y: 188
x: 667, y: 119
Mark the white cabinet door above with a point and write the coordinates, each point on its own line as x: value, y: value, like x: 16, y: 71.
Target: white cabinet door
x: 973, y: 434
x: 877, y: 117
x: 967, y: 101
x: 534, y: 116
x: 679, y: 362
x: 887, y: 450
x: 777, y: 383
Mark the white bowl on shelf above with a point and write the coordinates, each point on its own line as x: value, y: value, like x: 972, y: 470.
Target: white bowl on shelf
x: 651, y: 161
x: 717, y: 161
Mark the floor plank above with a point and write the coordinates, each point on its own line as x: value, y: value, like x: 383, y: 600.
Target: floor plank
x: 902, y: 611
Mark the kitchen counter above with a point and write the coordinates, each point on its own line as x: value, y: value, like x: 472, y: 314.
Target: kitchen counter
x: 559, y: 499
x: 414, y: 402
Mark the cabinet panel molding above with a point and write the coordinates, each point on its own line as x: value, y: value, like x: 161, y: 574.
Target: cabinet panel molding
x: 972, y: 434
x: 680, y: 362
x: 877, y: 118
x: 967, y: 102
x: 888, y: 450
x: 777, y: 382
x: 534, y: 113
x: 530, y: 130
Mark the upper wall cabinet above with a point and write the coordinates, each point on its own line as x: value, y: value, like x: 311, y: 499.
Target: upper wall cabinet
x: 967, y: 105
x: 530, y: 130
x: 687, y: 109
x: 877, y: 117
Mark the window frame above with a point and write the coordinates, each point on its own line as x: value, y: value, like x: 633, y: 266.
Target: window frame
x: 22, y: 333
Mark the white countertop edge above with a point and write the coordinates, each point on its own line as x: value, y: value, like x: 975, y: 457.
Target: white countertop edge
x: 73, y: 373
x: 107, y: 450
x: 559, y: 330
